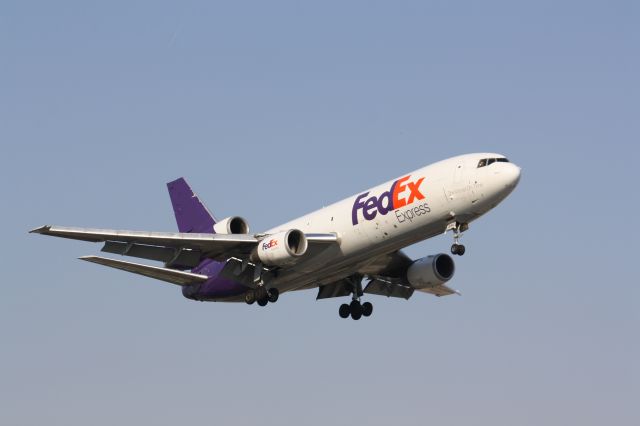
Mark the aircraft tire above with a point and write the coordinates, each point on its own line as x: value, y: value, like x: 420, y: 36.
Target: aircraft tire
x: 367, y: 309
x: 249, y: 297
x: 344, y: 311
x: 273, y: 295
x: 458, y: 249
x: 356, y: 310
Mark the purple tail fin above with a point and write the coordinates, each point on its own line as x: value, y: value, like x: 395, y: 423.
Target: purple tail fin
x: 191, y: 214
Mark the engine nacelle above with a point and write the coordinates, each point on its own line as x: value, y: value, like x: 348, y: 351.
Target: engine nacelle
x: 231, y: 225
x: 431, y: 271
x: 283, y: 248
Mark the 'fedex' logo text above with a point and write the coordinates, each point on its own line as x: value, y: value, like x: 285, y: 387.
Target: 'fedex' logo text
x: 269, y: 244
x: 402, y: 193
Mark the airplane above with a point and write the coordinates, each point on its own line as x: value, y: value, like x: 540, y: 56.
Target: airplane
x: 333, y: 249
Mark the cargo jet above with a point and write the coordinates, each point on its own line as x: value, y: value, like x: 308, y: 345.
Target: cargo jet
x: 350, y: 248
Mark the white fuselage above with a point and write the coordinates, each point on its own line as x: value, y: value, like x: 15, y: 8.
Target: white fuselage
x: 398, y: 213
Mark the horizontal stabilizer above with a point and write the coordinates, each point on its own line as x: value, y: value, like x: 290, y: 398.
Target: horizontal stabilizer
x: 169, y: 275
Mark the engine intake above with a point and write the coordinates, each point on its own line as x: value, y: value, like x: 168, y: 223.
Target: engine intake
x: 431, y: 271
x: 231, y: 225
x: 283, y: 248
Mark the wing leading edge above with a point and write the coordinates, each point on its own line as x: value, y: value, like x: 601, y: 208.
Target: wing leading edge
x: 177, y: 249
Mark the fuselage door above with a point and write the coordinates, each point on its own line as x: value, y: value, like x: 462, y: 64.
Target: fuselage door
x: 459, y: 188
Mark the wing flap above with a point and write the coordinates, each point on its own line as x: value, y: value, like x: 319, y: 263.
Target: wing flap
x: 441, y: 290
x: 172, y: 276
x: 172, y: 257
x: 335, y: 289
x: 389, y: 289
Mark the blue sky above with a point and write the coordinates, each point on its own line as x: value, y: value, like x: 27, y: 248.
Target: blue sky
x: 271, y: 110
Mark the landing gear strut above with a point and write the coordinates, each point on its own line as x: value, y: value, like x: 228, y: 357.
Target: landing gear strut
x: 456, y: 247
x: 355, y: 309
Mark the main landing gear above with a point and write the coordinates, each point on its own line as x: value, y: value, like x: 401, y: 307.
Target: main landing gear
x: 456, y: 247
x: 355, y: 309
x: 261, y: 295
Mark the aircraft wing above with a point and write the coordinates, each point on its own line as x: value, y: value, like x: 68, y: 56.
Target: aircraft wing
x: 169, y: 275
x: 176, y: 249
x: 216, y: 246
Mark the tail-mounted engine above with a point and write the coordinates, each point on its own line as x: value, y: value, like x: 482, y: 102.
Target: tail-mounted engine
x: 431, y: 271
x: 283, y: 248
x: 231, y: 225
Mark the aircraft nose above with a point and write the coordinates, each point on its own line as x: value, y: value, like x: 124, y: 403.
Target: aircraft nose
x: 512, y: 175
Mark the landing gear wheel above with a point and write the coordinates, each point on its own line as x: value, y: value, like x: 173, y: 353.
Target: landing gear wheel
x: 458, y: 249
x: 367, y: 309
x: 249, y: 297
x: 273, y: 295
x: 263, y: 301
x: 344, y: 311
x: 356, y: 310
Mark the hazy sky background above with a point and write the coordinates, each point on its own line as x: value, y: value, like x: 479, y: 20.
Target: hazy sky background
x: 273, y: 109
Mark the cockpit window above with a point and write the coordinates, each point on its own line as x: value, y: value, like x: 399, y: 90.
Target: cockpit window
x: 488, y: 161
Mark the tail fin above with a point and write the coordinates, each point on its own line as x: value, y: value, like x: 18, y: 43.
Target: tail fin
x: 191, y: 214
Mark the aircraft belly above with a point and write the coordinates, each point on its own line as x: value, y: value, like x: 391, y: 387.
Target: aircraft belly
x: 332, y: 268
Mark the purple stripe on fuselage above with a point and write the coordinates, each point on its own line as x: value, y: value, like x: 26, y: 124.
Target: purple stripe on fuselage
x: 216, y: 286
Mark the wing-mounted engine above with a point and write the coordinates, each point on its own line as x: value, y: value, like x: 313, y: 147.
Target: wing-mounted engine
x: 431, y: 271
x: 231, y: 225
x: 283, y: 248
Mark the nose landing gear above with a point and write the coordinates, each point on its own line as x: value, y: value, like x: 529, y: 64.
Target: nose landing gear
x: 458, y: 229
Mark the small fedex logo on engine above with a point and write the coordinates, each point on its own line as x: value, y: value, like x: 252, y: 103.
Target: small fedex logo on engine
x: 267, y: 245
x: 403, y: 192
